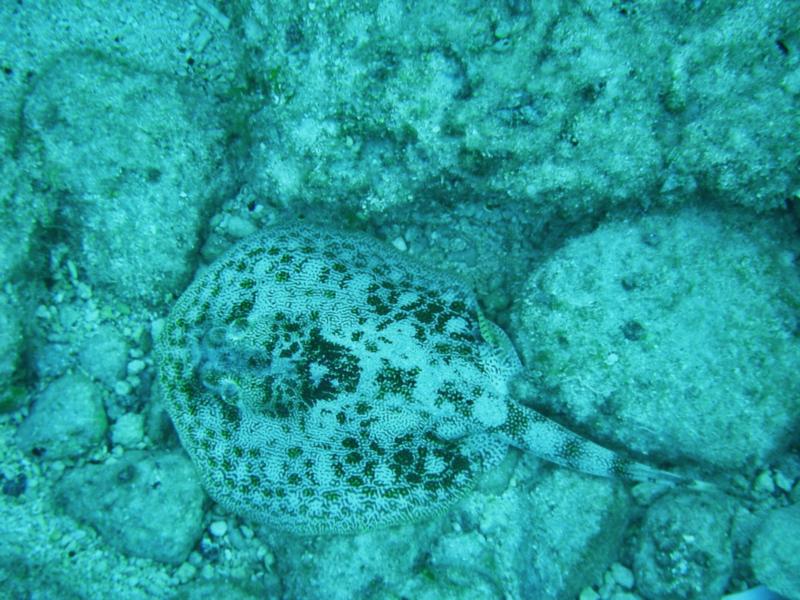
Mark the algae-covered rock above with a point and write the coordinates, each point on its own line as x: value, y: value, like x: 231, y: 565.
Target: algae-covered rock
x: 685, y: 550
x: 565, y: 108
x: 671, y: 334
x: 363, y: 565
x: 733, y: 151
x: 775, y: 556
x: 104, y: 354
x: 128, y: 431
x: 67, y: 419
x: 547, y: 536
x: 146, y: 504
x: 135, y: 159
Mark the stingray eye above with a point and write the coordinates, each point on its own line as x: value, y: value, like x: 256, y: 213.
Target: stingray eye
x: 228, y: 391
x: 222, y: 386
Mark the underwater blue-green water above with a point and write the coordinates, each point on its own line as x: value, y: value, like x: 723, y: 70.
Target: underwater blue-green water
x: 512, y: 231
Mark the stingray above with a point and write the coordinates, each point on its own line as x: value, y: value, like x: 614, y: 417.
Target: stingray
x: 324, y: 382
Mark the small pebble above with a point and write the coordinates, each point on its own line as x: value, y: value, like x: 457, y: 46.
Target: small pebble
x: 608, y: 585
x: 218, y: 528
x: 783, y: 482
x: 794, y: 495
x: 84, y: 291
x: 588, y: 594
x: 400, y: 244
x: 207, y: 571
x: 622, y: 575
x: 237, y: 539
x: 136, y: 366
x: 764, y: 483
x: 122, y: 388
x: 185, y: 572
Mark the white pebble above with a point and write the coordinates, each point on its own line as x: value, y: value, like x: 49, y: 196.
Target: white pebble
x: 136, y: 366
x: 400, y: 244
x: 218, y: 528
x: 122, y: 388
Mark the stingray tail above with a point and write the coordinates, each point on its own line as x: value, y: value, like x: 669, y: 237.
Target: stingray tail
x: 532, y: 431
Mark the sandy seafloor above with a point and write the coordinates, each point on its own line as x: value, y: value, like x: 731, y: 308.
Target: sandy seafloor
x: 617, y: 180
